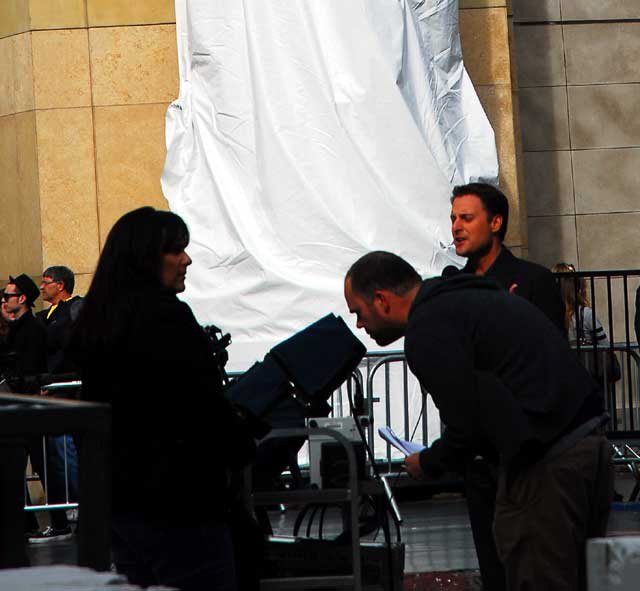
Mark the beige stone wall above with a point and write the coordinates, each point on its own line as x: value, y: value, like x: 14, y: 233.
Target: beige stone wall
x: 84, y: 86
x: 485, y: 30
x: 579, y: 78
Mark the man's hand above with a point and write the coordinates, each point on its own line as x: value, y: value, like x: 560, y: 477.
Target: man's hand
x: 513, y: 288
x: 412, y: 464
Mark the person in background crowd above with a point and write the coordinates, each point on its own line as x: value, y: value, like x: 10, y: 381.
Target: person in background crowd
x: 508, y: 385
x: 27, y: 340
x: 26, y: 337
x: 4, y: 332
x: 585, y: 329
x: 13, y: 458
x: 140, y: 349
x: 57, y: 287
x: 576, y: 302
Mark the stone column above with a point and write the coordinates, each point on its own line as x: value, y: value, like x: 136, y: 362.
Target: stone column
x: 486, y: 33
x: 84, y: 86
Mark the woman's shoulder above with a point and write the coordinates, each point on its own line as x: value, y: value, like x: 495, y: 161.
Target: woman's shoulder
x: 163, y: 316
x: 159, y: 304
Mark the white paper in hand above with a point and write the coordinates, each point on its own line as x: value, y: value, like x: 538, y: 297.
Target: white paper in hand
x: 406, y: 447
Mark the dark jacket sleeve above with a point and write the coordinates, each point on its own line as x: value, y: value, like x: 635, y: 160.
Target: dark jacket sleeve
x: 449, y: 453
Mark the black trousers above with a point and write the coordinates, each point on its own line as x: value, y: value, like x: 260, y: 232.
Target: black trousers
x: 481, y: 485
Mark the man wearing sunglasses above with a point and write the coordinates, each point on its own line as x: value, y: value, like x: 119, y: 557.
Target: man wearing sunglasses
x: 27, y: 337
x: 56, y: 288
x: 26, y: 341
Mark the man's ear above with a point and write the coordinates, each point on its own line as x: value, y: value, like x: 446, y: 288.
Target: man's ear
x: 381, y: 301
x: 496, y: 223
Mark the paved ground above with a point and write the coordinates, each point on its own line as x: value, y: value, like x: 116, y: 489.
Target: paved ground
x: 438, y: 542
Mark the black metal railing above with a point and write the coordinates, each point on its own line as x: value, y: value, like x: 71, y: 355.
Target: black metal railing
x: 606, y: 338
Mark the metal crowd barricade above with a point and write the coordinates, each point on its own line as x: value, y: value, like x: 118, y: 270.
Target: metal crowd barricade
x: 23, y: 416
x: 67, y: 504
x: 611, y: 296
x: 383, y: 364
x: 386, y: 379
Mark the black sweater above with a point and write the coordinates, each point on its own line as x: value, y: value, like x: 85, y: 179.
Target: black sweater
x: 504, y: 379
x: 535, y: 283
x: 58, y: 326
x: 28, y: 340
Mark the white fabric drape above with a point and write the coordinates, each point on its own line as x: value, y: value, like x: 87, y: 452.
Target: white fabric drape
x: 307, y: 133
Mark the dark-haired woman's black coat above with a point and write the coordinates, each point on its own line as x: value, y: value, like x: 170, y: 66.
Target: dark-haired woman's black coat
x: 171, y: 423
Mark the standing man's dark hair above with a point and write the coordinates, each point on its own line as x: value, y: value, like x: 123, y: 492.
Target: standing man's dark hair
x: 493, y: 200
x: 61, y: 274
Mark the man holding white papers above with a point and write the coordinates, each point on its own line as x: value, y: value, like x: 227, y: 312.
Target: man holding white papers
x: 508, y: 385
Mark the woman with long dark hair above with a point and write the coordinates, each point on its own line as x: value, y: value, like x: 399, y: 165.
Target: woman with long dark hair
x: 141, y: 350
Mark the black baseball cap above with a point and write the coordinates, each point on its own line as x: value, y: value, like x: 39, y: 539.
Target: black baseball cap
x: 27, y: 286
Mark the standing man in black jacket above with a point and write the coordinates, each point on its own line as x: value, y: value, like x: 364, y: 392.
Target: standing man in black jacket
x: 479, y: 219
x: 508, y: 386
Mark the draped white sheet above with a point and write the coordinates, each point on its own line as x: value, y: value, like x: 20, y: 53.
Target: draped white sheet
x: 307, y: 133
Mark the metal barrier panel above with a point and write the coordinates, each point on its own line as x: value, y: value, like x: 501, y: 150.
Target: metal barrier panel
x: 58, y: 462
x: 69, y: 475
x: 392, y: 395
x: 394, y: 398
x: 605, y: 333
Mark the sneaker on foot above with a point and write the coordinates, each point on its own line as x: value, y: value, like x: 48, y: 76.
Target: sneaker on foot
x: 72, y: 515
x: 51, y: 535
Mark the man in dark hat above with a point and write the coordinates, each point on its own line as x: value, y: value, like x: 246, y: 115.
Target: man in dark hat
x: 27, y: 340
x: 27, y: 337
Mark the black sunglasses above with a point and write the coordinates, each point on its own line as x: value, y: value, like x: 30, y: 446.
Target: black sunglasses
x: 7, y: 296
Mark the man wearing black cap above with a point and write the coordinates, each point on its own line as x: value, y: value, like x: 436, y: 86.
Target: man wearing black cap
x: 27, y: 339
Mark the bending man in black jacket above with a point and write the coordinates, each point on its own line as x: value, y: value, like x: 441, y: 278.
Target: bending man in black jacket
x: 508, y: 386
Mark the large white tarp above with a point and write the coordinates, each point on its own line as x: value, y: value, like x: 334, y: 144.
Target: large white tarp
x: 307, y: 133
